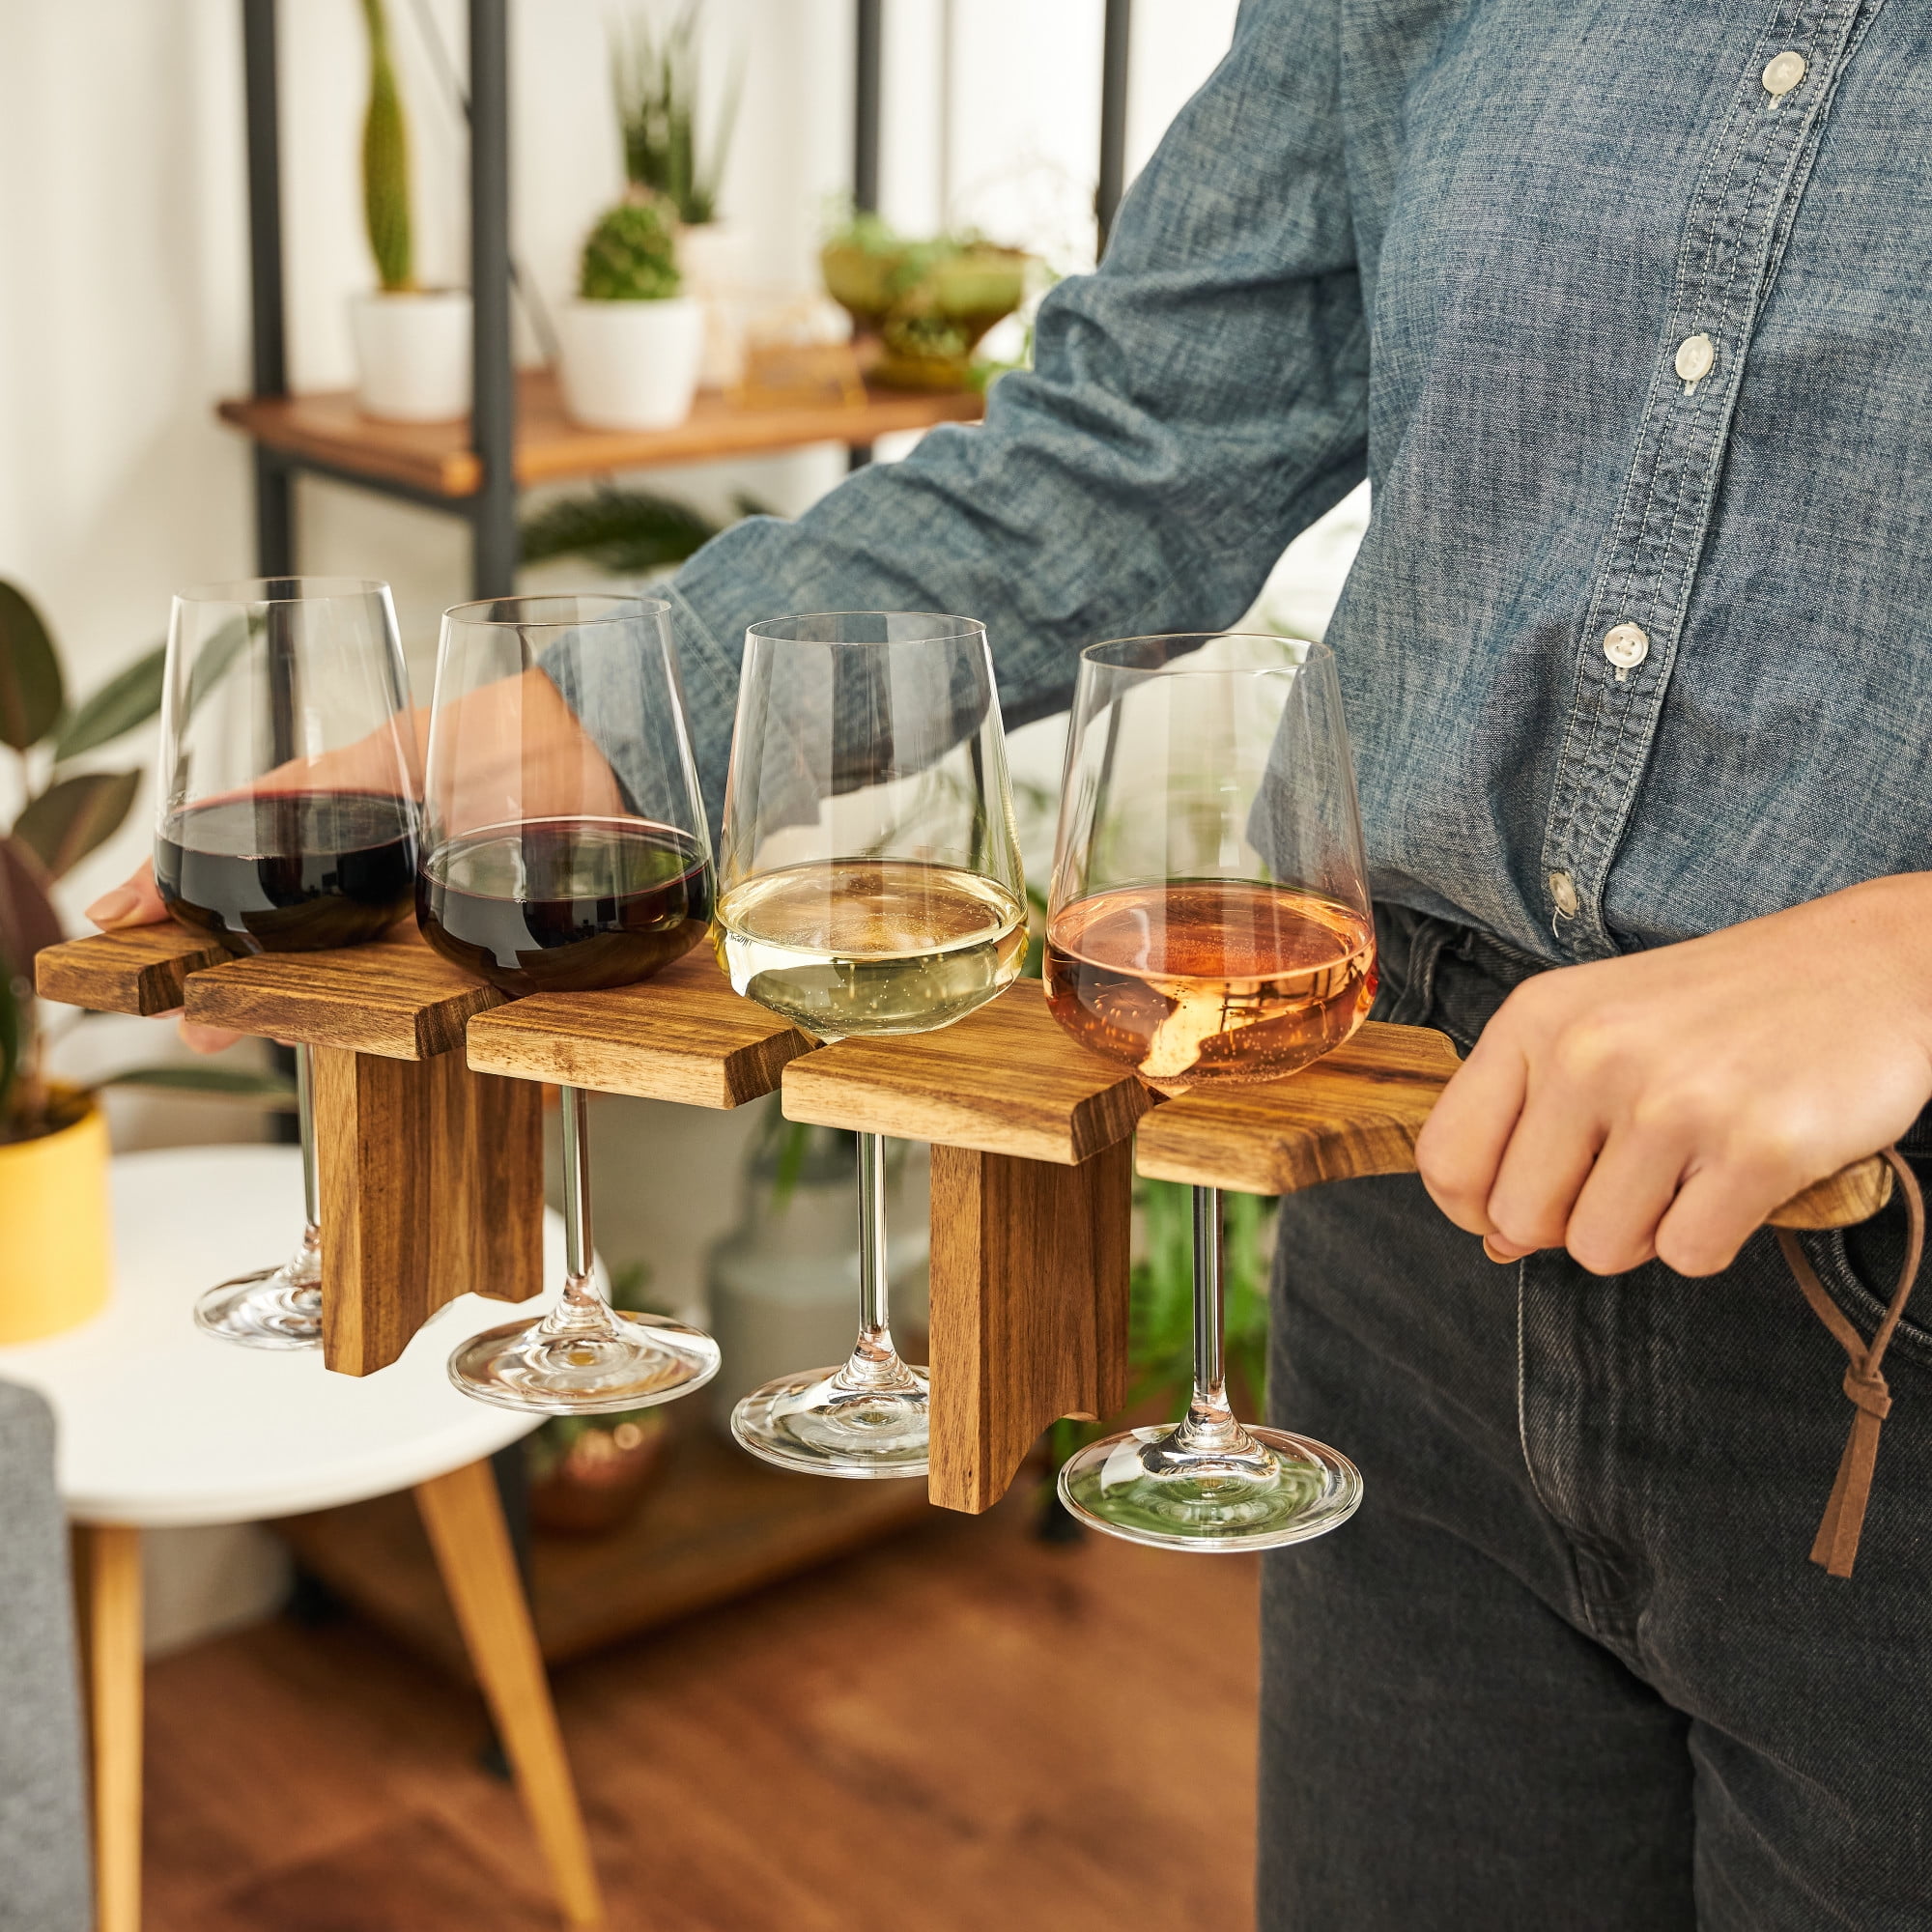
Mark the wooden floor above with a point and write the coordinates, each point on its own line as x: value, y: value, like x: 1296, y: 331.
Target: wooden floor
x: 967, y: 1727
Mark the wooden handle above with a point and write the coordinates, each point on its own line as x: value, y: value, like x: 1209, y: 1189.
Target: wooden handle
x: 1359, y: 1112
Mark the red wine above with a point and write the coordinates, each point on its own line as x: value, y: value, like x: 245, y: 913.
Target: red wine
x: 1206, y: 981
x: 565, y: 905
x: 290, y: 871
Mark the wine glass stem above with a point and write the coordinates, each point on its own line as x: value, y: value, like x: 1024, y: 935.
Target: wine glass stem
x: 305, y: 1118
x: 580, y: 1306
x: 874, y: 1361
x: 1210, y: 1423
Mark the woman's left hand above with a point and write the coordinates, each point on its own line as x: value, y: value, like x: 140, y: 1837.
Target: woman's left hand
x: 1661, y: 1106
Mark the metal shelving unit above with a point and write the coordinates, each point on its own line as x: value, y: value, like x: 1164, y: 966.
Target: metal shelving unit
x: 475, y: 471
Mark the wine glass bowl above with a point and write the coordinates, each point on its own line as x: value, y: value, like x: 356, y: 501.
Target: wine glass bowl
x: 287, y: 822
x: 869, y: 886
x: 1209, y: 924
x: 566, y: 851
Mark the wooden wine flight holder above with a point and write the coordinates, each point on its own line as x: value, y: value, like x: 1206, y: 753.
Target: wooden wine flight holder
x: 432, y: 1170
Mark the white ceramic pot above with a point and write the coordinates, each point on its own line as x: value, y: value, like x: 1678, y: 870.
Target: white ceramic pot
x: 631, y: 364
x: 413, y: 355
x: 715, y: 261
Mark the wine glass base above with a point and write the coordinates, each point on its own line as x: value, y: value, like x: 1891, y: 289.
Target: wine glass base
x: 1127, y: 1487
x: 819, y: 1423
x: 646, y: 1360
x: 262, y: 1310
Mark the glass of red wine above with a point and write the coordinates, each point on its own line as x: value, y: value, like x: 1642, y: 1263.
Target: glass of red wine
x: 288, y: 823
x: 1209, y: 923
x: 566, y: 851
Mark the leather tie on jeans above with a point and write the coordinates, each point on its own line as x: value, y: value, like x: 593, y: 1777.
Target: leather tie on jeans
x: 1837, y: 1544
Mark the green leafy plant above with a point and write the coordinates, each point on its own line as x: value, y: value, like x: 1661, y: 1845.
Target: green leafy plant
x: 632, y: 254
x: 65, y: 815
x: 386, y: 164
x: 655, y: 80
x: 624, y: 532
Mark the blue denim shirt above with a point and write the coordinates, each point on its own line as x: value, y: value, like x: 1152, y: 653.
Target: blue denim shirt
x: 1625, y: 308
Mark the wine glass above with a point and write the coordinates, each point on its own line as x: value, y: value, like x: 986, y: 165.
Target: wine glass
x: 1209, y: 923
x: 868, y: 885
x: 565, y: 850
x: 287, y: 823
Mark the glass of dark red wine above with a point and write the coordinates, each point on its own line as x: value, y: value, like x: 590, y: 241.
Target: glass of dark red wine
x: 288, y: 823
x: 1209, y: 924
x: 566, y: 851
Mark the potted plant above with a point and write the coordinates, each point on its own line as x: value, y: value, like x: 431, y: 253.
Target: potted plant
x: 631, y: 340
x: 54, y: 1259
x: 411, y: 343
x: 928, y: 302
x: 655, y: 82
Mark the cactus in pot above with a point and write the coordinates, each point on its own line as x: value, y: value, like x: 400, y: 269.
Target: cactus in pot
x: 632, y: 342
x: 412, y: 344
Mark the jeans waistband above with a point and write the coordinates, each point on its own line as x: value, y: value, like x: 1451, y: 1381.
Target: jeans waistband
x: 1437, y: 974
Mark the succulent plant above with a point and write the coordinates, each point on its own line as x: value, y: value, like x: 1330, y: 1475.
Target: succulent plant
x: 632, y: 253
x: 655, y: 82
x: 386, y: 164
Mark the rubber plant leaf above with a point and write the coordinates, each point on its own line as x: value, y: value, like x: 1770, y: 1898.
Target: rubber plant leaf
x: 213, y: 662
x: 68, y: 821
x: 235, y: 1083
x: 28, y: 919
x: 127, y: 699
x: 31, y: 696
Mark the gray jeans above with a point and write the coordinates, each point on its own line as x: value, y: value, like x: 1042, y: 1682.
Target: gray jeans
x: 1568, y: 1666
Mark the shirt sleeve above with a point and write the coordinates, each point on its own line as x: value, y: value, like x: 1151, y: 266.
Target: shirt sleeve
x: 1194, y: 404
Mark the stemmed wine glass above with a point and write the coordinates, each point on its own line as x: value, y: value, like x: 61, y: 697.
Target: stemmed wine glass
x: 1209, y: 923
x: 287, y: 823
x: 565, y: 850
x: 868, y: 885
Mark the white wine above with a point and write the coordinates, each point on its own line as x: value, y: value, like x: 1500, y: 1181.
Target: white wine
x: 870, y: 946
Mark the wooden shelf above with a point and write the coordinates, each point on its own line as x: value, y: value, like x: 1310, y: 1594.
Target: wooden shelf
x: 715, y: 1525
x: 435, y: 459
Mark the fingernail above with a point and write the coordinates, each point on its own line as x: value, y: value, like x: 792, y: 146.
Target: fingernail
x: 1500, y: 1255
x: 110, y: 908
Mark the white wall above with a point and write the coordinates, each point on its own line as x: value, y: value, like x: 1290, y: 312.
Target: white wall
x: 123, y: 263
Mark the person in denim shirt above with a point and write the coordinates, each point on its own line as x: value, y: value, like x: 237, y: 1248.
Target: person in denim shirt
x: 1626, y: 310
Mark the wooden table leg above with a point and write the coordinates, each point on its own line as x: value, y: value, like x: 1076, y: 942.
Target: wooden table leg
x: 1029, y: 1308
x: 432, y: 1184
x: 107, y: 1589
x: 464, y: 1521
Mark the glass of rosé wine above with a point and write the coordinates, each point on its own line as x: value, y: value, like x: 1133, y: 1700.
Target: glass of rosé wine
x: 1209, y: 923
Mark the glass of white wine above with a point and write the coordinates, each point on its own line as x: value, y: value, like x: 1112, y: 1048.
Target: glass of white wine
x: 868, y: 885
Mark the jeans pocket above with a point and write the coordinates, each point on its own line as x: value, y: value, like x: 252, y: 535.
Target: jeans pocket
x: 1866, y: 1302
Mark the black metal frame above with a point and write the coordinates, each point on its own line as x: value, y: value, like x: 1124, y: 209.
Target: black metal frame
x: 492, y: 510
x: 1113, y: 43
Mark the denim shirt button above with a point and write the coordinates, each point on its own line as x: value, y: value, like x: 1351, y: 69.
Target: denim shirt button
x: 1782, y: 73
x: 1626, y: 647
x: 1563, y: 890
x: 1697, y: 356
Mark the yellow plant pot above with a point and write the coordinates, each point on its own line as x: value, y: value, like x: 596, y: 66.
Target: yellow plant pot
x: 56, y: 1258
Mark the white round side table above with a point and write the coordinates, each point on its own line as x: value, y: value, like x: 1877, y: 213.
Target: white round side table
x: 160, y: 1424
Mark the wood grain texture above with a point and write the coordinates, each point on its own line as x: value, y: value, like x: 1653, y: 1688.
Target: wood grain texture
x: 393, y: 998
x: 684, y: 1035
x: 331, y: 429
x: 432, y: 1183
x: 464, y: 1521
x: 107, y: 1579
x: 717, y: 1525
x: 1007, y: 1079
x: 141, y: 968
x: 1359, y: 1112
x: 1029, y: 1308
